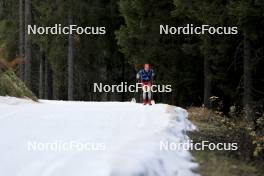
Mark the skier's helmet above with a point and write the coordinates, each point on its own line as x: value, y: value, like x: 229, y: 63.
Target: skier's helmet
x: 146, y: 66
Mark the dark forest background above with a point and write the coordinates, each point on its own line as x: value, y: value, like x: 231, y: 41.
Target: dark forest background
x: 198, y: 67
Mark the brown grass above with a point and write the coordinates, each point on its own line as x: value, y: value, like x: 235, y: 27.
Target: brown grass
x: 216, y: 128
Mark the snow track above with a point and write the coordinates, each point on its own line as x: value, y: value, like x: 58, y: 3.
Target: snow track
x: 130, y: 133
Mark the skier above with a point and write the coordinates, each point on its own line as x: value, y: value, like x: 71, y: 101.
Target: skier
x: 146, y: 75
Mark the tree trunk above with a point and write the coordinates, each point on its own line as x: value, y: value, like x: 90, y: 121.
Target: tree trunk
x: 123, y: 77
x: 70, y: 62
x: 102, y: 61
x: 103, y: 77
x: 207, y: 81
x: 1, y: 7
x: 41, y: 75
x: 48, y: 87
x: 1, y: 12
x: 247, y: 96
x: 21, y: 38
x: 27, y: 45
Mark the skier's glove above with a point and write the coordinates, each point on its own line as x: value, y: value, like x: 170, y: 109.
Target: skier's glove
x: 138, y: 76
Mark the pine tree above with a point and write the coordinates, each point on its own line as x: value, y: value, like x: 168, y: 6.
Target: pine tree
x: 28, y: 77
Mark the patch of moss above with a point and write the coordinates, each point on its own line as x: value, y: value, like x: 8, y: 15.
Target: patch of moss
x: 11, y: 85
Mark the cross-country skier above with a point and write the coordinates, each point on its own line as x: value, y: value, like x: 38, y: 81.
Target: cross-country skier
x: 146, y: 75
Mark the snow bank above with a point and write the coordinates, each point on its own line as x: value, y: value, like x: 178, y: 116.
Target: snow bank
x: 131, y: 134
x: 13, y: 101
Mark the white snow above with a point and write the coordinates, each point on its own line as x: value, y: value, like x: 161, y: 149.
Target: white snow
x: 130, y: 133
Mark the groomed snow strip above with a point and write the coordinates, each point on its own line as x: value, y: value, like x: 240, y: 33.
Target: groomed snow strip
x: 131, y: 135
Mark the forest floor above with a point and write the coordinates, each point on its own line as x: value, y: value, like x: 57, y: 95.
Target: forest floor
x: 219, y: 163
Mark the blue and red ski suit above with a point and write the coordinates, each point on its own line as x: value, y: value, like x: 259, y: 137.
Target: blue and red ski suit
x: 146, y: 78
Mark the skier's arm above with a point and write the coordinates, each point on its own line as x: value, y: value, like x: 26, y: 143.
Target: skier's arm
x: 139, y: 75
x: 152, y: 76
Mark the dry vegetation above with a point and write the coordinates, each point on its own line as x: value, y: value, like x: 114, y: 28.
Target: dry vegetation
x: 214, y: 127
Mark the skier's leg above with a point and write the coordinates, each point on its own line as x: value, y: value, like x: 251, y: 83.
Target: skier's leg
x: 149, y: 97
x: 149, y: 93
x: 144, y: 97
